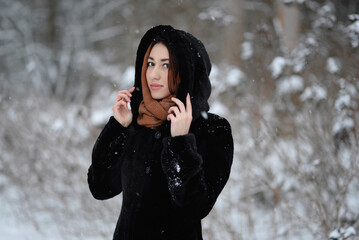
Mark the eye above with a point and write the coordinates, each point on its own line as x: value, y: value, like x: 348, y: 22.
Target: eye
x: 150, y: 64
x: 166, y: 65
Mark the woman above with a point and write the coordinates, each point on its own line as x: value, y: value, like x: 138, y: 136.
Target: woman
x: 168, y: 156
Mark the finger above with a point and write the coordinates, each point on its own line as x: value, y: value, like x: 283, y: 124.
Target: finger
x: 124, y: 104
x: 119, y: 96
x: 174, y: 110
x: 188, y: 104
x: 179, y: 104
x: 123, y: 97
x: 115, y: 108
x: 125, y: 92
x: 128, y: 92
x: 118, y: 105
x: 170, y: 117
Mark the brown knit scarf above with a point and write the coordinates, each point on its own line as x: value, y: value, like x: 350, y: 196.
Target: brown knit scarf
x: 152, y: 113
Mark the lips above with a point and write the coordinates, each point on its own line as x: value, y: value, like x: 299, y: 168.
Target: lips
x: 156, y: 86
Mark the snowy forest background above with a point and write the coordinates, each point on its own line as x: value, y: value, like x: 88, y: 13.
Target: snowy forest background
x: 285, y: 74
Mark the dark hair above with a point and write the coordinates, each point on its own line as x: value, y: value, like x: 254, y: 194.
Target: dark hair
x: 173, y: 74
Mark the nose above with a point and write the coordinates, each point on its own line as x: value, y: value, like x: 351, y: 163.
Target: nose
x: 154, y: 74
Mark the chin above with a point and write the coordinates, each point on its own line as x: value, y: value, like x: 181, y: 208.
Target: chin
x: 158, y: 96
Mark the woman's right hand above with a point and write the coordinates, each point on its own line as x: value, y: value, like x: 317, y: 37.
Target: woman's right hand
x: 120, y: 110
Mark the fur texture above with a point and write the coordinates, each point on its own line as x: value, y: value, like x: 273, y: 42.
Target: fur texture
x: 168, y: 183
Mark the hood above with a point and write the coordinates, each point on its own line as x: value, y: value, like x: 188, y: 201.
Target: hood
x: 194, y: 67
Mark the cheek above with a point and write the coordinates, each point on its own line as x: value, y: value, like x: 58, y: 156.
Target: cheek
x: 148, y: 76
x: 147, y: 73
x: 167, y: 88
x: 165, y: 76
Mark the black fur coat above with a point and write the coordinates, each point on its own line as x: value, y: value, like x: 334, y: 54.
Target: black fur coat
x: 168, y: 183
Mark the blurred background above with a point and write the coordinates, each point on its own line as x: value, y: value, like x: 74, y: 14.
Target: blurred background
x: 285, y: 74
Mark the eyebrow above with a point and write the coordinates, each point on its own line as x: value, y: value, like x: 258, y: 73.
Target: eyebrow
x: 162, y: 60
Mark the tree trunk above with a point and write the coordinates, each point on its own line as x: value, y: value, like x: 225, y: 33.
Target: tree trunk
x: 233, y: 33
x: 288, y: 24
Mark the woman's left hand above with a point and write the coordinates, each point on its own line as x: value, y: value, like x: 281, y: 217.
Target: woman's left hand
x: 180, y: 117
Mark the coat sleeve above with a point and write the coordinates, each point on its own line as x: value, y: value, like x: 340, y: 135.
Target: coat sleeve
x: 104, y: 176
x: 197, y: 167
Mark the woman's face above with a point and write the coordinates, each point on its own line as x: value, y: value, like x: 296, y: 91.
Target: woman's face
x: 157, y: 71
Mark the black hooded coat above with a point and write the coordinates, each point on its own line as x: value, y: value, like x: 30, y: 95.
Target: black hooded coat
x: 168, y: 183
